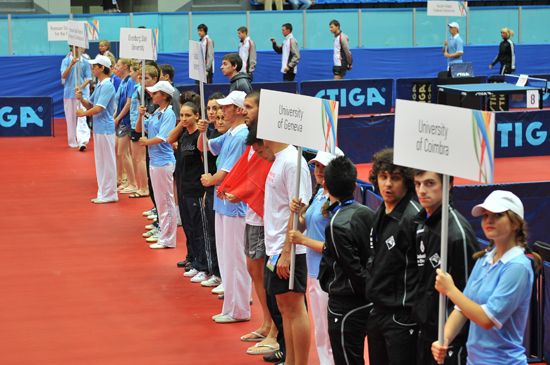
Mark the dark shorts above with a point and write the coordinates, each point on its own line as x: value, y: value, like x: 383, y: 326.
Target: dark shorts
x: 339, y: 70
x: 254, y: 243
x: 135, y: 136
x: 274, y: 285
x: 123, y: 130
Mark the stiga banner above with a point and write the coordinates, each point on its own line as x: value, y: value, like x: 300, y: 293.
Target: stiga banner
x: 522, y: 134
x: 25, y: 116
x: 368, y: 96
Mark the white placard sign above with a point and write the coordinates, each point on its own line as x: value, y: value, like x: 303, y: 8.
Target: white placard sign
x: 522, y: 80
x: 197, y: 69
x: 532, y: 99
x: 447, y: 8
x: 445, y: 139
x: 137, y: 43
x: 77, y: 34
x: 57, y: 31
x: 298, y: 119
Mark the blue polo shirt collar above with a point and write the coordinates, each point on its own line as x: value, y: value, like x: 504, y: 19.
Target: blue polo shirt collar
x: 508, y: 256
x: 235, y: 130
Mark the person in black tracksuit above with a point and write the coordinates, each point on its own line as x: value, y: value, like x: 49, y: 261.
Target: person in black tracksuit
x: 506, y: 53
x: 462, y: 244
x: 391, y: 329
x: 342, y: 272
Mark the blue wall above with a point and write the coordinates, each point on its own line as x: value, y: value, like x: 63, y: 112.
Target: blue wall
x: 377, y: 28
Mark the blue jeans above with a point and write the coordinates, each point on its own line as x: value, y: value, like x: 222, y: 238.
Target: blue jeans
x: 300, y: 4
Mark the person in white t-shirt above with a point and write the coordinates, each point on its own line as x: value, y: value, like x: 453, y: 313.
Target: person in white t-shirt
x: 279, y: 191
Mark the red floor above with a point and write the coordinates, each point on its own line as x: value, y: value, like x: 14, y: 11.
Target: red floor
x: 78, y: 283
x: 507, y: 170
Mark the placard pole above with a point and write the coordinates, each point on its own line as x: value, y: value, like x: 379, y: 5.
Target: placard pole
x: 296, y: 217
x: 143, y: 95
x: 203, y: 117
x: 443, y: 260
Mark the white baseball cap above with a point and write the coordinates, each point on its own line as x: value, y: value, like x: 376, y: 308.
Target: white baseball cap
x: 324, y: 158
x: 235, y: 97
x: 454, y: 25
x: 101, y: 60
x: 499, y: 201
x: 163, y: 86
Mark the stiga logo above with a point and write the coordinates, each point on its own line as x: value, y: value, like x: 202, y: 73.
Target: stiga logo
x: 26, y: 116
x: 518, y: 134
x: 23, y: 116
x: 355, y: 96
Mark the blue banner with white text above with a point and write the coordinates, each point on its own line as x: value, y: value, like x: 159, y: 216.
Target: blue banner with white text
x: 367, y: 96
x: 25, y: 116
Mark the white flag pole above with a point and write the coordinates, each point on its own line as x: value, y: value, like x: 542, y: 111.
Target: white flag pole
x: 203, y: 116
x: 143, y: 95
x: 296, y: 217
x: 443, y: 260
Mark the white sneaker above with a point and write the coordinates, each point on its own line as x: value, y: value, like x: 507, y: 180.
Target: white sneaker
x: 152, y: 217
x: 150, y: 227
x: 212, y: 281
x: 200, y: 277
x: 218, y: 289
x: 152, y: 232
x: 153, y: 238
x: 191, y: 273
x: 158, y: 245
x: 149, y: 212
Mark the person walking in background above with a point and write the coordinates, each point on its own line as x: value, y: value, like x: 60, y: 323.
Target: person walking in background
x: 102, y: 107
x: 207, y: 46
x: 506, y: 53
x: 497, y: 296
x: 247, y: 51
x: 342, y: 54
x: 290, y: 53
x: 453, y: 48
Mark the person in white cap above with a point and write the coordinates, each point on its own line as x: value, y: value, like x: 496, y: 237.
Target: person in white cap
x: 314, y: 218
x: 230, y: 217
x: 161, y: 160
x: 498, y: 293
x: 453, y: 48
x: 102, y: 106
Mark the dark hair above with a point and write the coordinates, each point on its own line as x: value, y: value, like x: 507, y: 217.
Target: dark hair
x: 383, y: 161
x: 190, y: 96
x: 334, y: 22
x: 340, y: 177
x: 288, y: 26
x: 254, y: 94
x: 216, y: 95
x: 252, y: 137
x: 192, y: 106
x: 203, y: 27
x: 234, y: 59
x: 417, y: 172
x: 154, y: 64
x: 243, y: 30
x: 167, y: 69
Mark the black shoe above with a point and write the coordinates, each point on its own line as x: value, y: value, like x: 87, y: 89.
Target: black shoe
x: 188, y: 266
x: 276, y: 357
x: 182, y: 264
x: 280, y: 363
x: 82, y: 148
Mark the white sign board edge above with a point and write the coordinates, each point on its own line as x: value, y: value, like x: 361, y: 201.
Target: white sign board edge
x: 197, y: 69
x: 446, y: 8
x: 299, y: 120
x: 137, y: 43
x: 77, y: 34
x: 445, y: 139
x: 58, y: 31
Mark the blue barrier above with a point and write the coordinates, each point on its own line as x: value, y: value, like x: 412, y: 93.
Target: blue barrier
x: 354, y: 96
x: 25, y: 116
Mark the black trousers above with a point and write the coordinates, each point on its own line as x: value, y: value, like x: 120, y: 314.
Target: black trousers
x: 197, y: 218
x: 289, y: 76
x: 275, y: 313
x: 456, y: 354
x: 347, y: 328
x: 151, y: 192
x: 392, y: 338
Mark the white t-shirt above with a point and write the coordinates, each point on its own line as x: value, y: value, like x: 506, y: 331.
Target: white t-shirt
x: 251, y: 218
x: 279, y: 191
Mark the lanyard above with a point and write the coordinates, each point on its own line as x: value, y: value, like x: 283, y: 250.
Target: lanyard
x: 340, y: 205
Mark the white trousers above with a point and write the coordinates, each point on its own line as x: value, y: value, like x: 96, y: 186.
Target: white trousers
x: 105, y: 166
x: 78, y: 133
x: 162, y: 179
x: 318, y: 301
x: 237, y: 284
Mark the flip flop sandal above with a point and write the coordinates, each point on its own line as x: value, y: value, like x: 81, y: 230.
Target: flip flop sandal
x: 262, y: 349
x: 253, y: 336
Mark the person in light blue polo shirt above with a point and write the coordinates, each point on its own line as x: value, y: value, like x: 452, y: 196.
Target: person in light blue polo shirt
x: 453, y: 48
x: 162, y: 161
x: 497, y: 296
x: 102, y: 106
x: 75, y: 68
x: 230, y: 217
